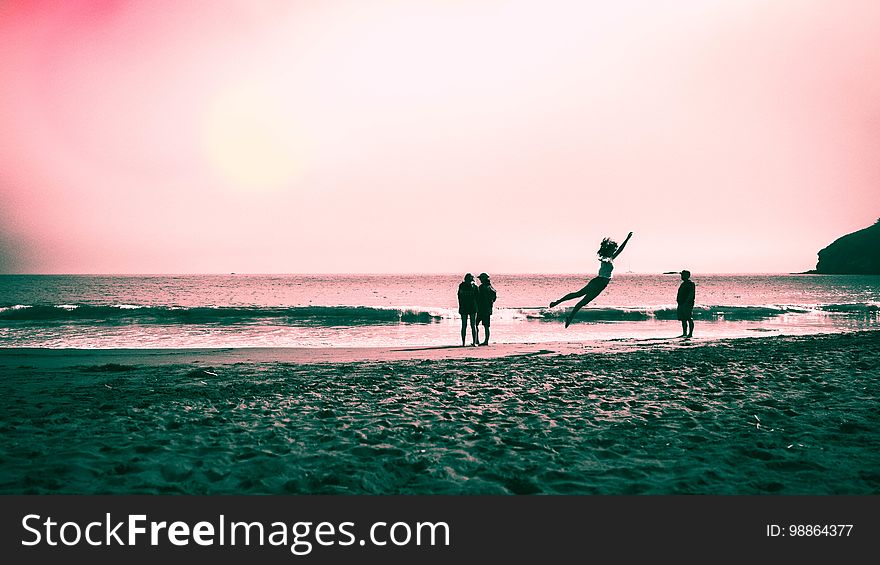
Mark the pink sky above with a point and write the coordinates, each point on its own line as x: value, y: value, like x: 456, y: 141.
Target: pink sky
x: 435, y: 136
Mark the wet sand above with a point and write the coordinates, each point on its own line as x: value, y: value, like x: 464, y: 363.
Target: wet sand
x: 769, y: 415
x: 60, y: 358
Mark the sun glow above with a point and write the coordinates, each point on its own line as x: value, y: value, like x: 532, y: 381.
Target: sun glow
x: 251, y: 139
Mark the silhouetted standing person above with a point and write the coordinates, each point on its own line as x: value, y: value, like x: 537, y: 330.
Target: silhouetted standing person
x: 608, y: 251
x: 485, y: 299
x: 467, y: 306
x: 687, y: 291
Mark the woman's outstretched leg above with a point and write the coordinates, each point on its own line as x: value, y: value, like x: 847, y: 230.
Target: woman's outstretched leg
x: 570, y: 296
x: 594, y: 292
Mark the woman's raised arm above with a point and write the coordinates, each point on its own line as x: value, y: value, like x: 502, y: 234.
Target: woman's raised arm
x: 622, y: 245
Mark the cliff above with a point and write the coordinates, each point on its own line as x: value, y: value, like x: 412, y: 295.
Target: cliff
x: 857, y: 253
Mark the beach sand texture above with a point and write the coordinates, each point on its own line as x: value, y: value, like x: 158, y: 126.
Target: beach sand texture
x: 771, y: 415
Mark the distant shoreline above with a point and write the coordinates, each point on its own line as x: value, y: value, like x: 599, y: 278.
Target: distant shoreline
x: 815, y: 272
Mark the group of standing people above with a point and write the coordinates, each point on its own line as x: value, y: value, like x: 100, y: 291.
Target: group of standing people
x: 475, y: 303
x: 475, y: 306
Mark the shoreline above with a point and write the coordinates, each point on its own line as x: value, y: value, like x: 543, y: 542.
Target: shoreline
x: 48, y: 358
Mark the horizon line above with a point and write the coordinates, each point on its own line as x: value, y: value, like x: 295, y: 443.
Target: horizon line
x: 390, y: 273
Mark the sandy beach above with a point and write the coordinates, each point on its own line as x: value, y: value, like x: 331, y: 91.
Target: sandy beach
x: 767, y: 415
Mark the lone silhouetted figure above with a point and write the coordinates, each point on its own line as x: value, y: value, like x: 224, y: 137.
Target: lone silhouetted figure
x: 608, y: 252
x: 485, y: 299
x: 687, y: 291
x: 467, y: 306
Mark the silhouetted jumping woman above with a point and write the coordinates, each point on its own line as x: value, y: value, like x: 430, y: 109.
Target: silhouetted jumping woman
x: 608, y: 252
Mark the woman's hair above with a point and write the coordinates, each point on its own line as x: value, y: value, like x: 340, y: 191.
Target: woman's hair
x: 607, y: 247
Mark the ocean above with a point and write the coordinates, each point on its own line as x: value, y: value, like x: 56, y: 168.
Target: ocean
x: 317, y: 311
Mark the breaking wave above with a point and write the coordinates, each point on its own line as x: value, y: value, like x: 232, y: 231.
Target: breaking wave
x: 713, y: 313
x: 124, y: 314
x: 295, y: 315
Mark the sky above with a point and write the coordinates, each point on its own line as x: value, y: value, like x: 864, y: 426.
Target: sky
x: 155, y: 136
